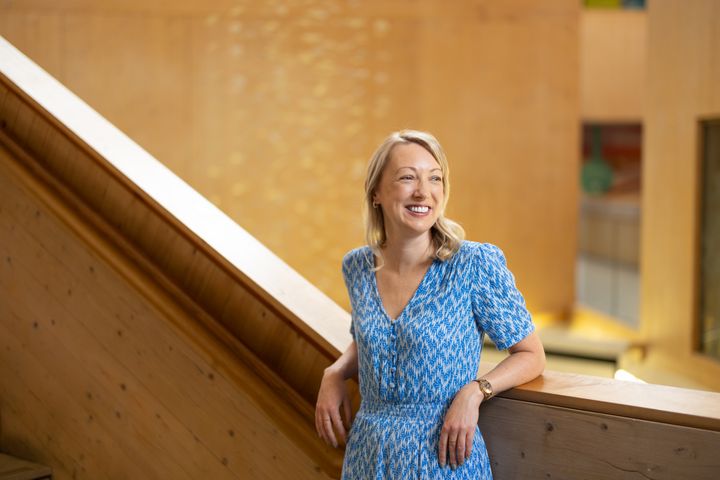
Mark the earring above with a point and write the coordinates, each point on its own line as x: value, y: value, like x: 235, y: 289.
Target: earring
x: 375, y: 205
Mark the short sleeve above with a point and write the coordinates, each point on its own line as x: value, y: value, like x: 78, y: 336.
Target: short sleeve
x: 498, y: 305
x: 347, y: 274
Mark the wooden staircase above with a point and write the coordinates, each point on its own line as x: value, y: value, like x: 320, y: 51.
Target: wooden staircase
x: 143, y: 334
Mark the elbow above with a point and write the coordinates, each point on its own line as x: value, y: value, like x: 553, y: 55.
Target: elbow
x: 540, y: 361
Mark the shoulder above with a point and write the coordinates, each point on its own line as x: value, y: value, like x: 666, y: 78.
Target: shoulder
x: 356, y: 259
x: 483, y: 258
x: 478, y: 252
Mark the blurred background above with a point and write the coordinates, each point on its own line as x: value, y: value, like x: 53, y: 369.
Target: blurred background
x: 582, y: 138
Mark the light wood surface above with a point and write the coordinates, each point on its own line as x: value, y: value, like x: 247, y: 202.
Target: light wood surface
x: 157, y: 350
x: 682, y: 90
x: 12, y: 468
x: 613, y: 53
x: 271, y: 110
x: 527, y: 440
x: 656, y: 403
x: 137, y: 358
x: 104, y: 384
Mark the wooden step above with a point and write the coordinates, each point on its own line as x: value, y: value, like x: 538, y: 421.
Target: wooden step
x: 12, y: 468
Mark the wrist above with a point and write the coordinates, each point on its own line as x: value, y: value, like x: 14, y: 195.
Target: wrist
x: 334, y: 371
x: 485, y: 388
x: 475, y: 392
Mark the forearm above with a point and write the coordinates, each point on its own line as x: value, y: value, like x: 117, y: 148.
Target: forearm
x: 347, y: 364
x: 525, y: 362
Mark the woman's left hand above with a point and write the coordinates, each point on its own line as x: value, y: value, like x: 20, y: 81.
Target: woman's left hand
x: 458, y: 430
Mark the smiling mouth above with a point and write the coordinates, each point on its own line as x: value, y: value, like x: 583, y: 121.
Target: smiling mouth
x: 418, y: 208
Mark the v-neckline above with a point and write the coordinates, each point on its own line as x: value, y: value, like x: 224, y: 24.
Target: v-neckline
x: 378, y: 298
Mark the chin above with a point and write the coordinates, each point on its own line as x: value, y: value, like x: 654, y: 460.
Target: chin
x: 420, y: 228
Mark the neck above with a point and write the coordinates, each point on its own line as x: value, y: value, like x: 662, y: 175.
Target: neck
x: 407, y: 253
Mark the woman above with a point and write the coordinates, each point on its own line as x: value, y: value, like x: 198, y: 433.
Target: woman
x: 422, y: 299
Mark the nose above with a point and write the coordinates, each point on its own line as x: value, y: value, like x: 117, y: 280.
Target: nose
x: 420, y: 189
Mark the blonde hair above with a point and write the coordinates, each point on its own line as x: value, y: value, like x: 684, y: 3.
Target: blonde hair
x: 446, y: 234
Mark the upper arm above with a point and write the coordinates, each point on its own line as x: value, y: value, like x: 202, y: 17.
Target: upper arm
x: 498, y: 305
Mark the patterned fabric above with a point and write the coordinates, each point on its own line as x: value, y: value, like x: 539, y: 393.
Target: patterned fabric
x: 411, y: 368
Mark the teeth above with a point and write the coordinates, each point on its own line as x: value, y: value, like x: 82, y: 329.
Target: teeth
x: 418, y: 209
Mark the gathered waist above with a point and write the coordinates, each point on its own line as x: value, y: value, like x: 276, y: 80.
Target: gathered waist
x: 420, y: 411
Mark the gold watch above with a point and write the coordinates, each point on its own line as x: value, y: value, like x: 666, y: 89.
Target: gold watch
x: 485, y: 388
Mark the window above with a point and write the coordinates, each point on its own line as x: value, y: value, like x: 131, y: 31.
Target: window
x: 709, y: 271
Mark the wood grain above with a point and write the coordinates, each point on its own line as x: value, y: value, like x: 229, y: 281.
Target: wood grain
x: 539, y: 441
x: 613, y: 63
x: 682, y: 90
x: 139, y: 324
x: 271, y: 110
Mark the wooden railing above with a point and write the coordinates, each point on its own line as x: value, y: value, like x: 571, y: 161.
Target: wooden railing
x: 239, y: 303
x: 269, y: 331
x: 576, y: 426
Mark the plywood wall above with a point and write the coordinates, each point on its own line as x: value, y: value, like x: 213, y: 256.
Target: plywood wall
x: 683, y: 89
x: 98, y: 382
x: 612, y: 65
x: 271, y: 109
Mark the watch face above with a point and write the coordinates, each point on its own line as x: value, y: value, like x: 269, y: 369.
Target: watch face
x: 486, y: 389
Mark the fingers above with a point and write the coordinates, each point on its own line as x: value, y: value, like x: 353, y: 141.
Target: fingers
x: 324, y: 426
x: 460, y: 450
x: 328, y: 433
x: 452, y: 451
x: 469, y: 443
x: 442, y: 447
x: 317, y: 423
x: 338, y: 424
x: 455, y: 446
x: 332, y: 398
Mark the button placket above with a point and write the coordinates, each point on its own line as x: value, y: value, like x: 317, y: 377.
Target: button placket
x: 392, y: 358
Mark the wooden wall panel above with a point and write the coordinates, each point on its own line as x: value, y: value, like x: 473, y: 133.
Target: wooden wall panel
x: 271, y: 111
x: 499, y: 84
x: 103, y: 385
x: 524, y: 441
x: 613, y: 65
x: 683, y: 79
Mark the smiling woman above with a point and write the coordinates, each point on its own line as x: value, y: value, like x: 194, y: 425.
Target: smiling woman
x: 422, y: 300
x: 399, y: 151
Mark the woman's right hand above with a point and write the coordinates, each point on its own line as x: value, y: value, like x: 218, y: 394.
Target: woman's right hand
x: 332, y: 397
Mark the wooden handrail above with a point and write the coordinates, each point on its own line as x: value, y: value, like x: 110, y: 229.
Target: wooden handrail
x: 657, y: 403
x: 123, y: 202
x: 170, y: 198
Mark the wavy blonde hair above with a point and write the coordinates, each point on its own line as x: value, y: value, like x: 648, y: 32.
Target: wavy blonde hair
x: 446, y: 234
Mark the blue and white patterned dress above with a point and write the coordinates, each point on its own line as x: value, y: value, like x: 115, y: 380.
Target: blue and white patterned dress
x: 411, y: 368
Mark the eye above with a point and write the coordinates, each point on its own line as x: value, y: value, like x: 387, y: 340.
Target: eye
x: 406, y: 177
x: 436, y: 178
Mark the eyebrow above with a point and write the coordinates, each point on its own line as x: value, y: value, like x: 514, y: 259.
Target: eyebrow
x: 415, y: 169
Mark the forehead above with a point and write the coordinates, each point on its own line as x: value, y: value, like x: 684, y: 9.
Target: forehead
x: 411, y: 155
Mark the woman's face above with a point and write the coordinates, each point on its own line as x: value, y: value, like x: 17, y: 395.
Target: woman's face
x: 410, y: 191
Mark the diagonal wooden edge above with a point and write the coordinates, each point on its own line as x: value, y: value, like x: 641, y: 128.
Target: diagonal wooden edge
x: 233, y: 248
